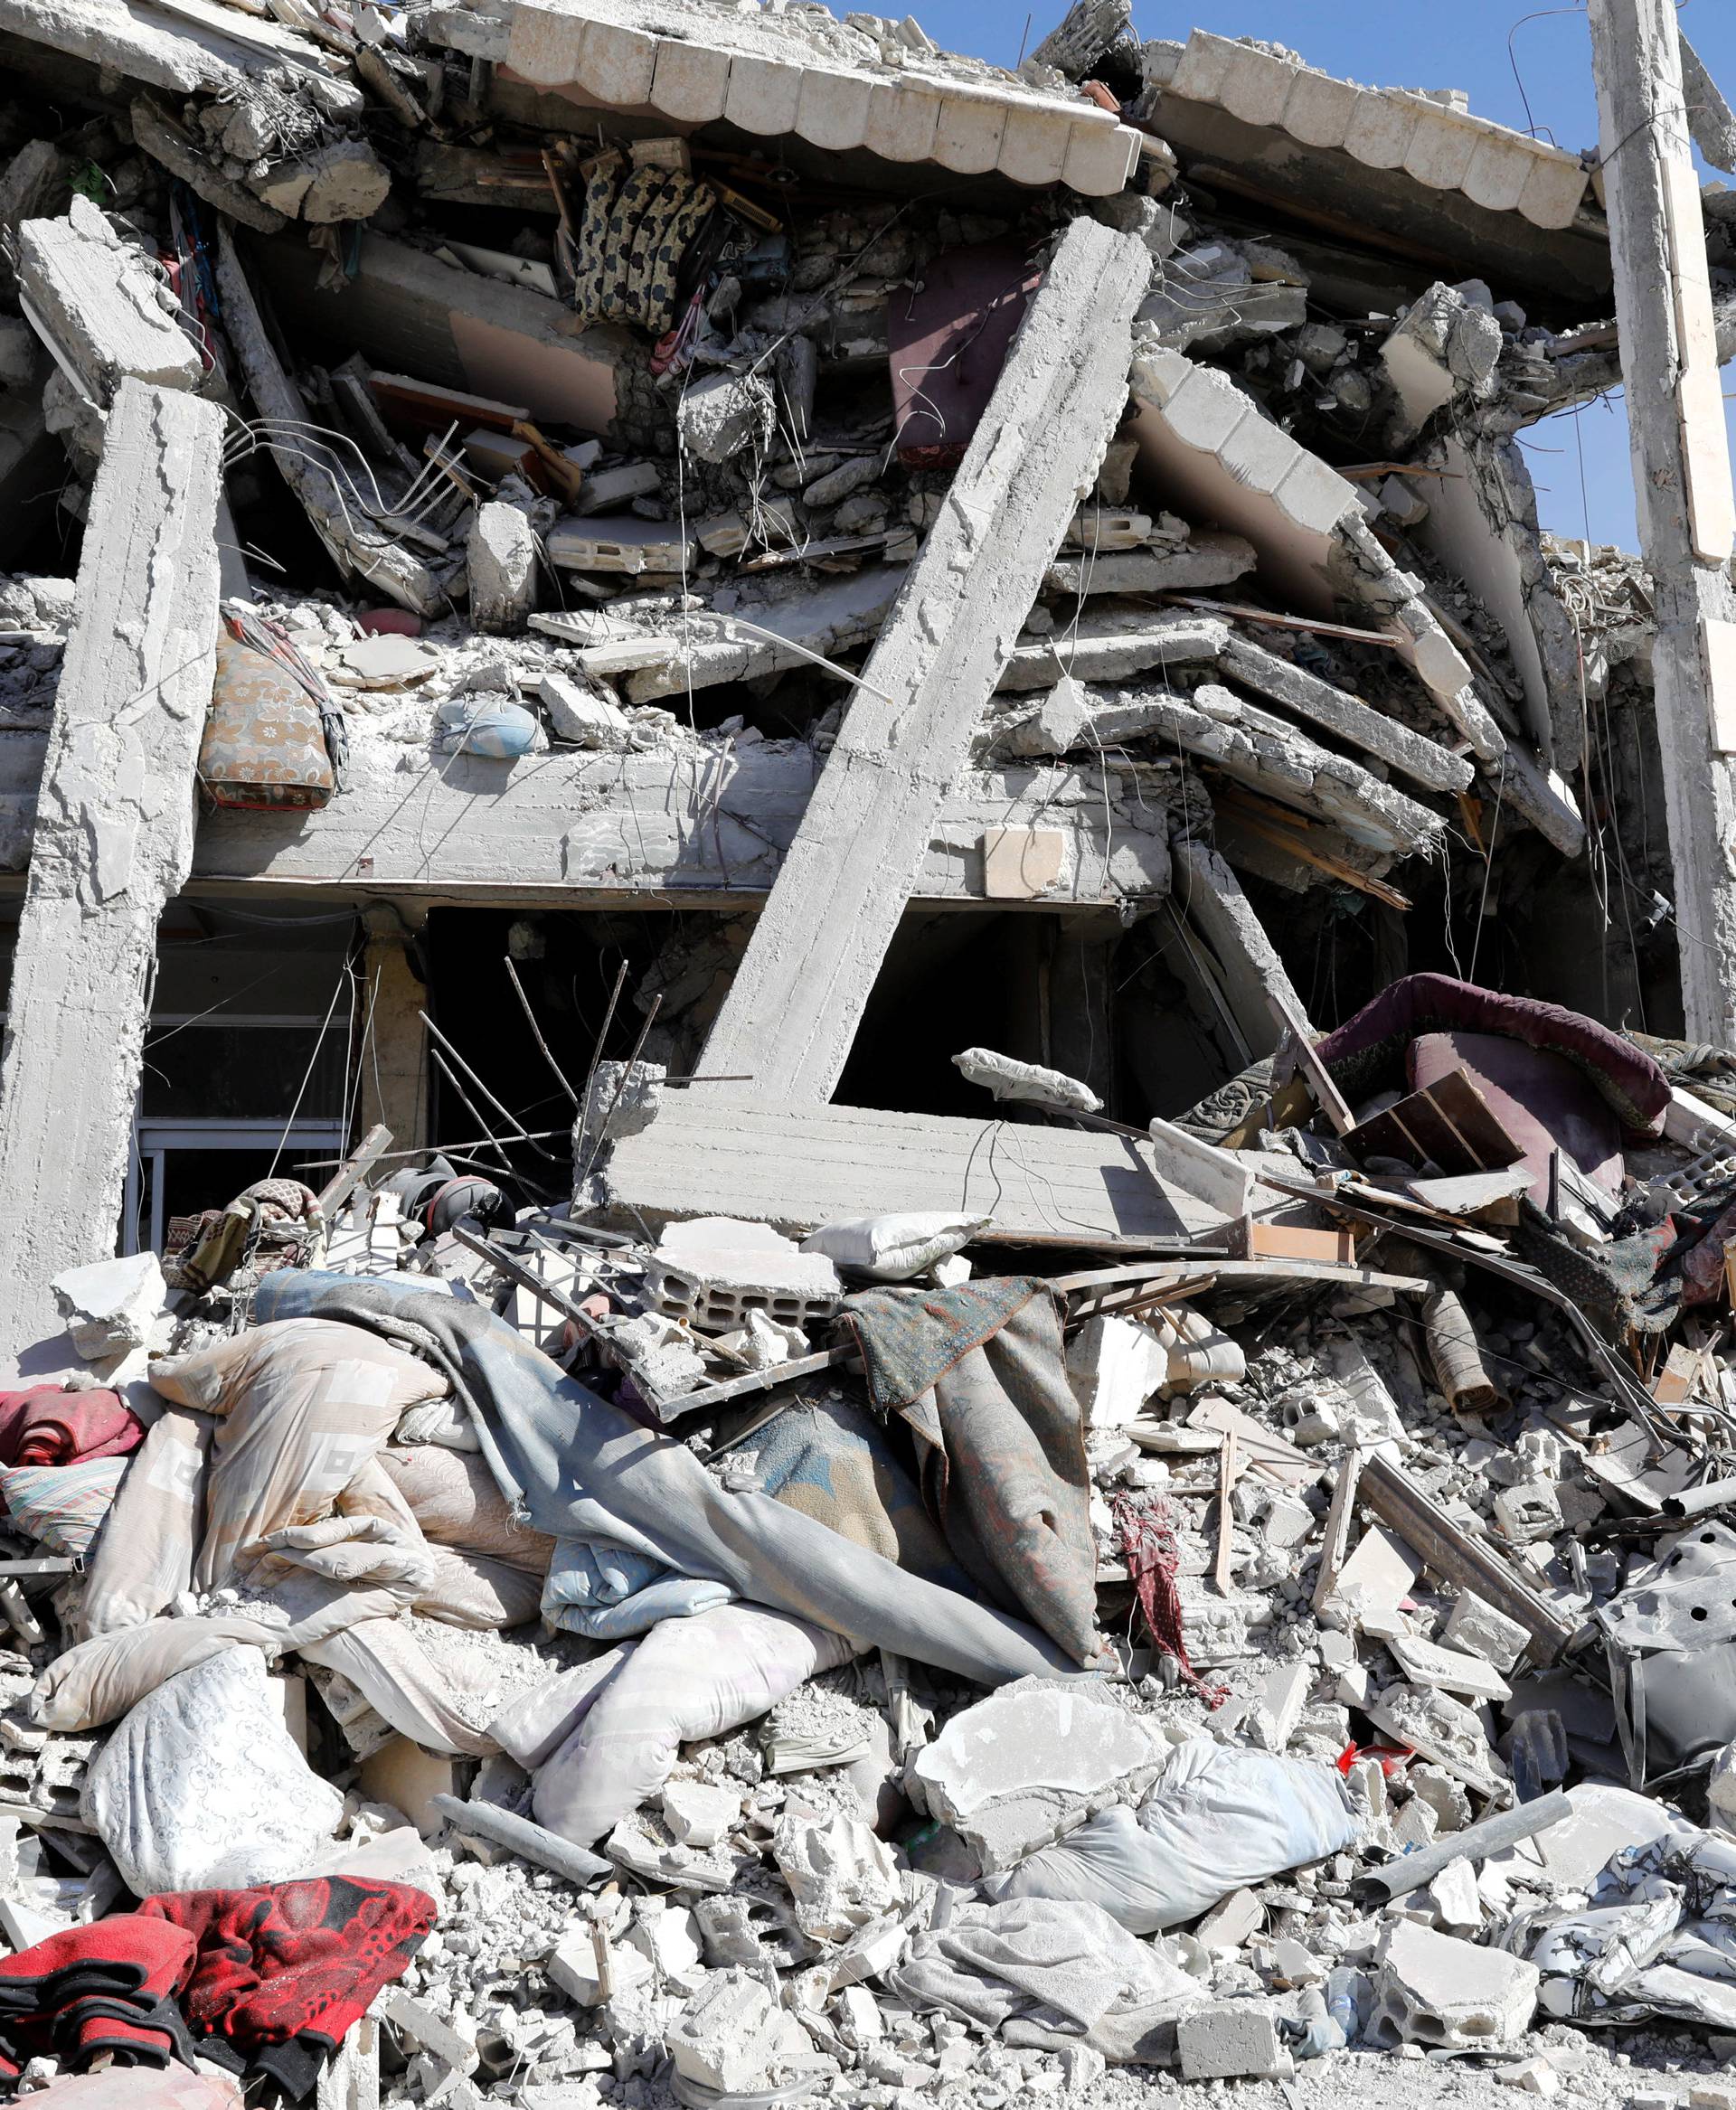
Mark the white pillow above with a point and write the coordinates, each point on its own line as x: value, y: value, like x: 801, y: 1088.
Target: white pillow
x: 892, y: 1249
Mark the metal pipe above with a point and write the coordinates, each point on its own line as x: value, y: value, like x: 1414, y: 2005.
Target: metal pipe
x: 1410, y: 1871
x: 519, y: 1835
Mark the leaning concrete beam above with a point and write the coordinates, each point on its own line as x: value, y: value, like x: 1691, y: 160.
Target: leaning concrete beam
x: 114, y: 842
x: 1346, y: 716
x: 1209, y: 896
x: 1207, y: 449
x: 93, y: 300
x: 805, y: 979
x: 1711, y: 119
x: 357, y: 545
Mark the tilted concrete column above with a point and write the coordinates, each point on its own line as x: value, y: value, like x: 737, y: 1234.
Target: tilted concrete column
x: 113, y: 844
x: 1682, y: 480
x: 801, y: 990
x: 393, y: 1077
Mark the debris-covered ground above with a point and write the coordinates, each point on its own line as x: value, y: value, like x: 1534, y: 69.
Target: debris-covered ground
x: 919, y: 1062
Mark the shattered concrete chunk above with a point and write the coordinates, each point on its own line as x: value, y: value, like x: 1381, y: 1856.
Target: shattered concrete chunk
x: 1031, y: 1763
x: 1234, y: 2039
x: 110, y: 1306
x: 97, y: 305
x: 1434, y: 1989
x: 841, y: 1877
x: 501, y: 560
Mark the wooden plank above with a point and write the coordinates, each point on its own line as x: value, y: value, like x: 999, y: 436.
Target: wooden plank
x: 1332, y: 1100
x: 1449, y: 1122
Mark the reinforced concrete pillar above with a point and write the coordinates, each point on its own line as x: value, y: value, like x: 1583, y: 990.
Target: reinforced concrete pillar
x: 1681, y: 479
x: 113, y: 842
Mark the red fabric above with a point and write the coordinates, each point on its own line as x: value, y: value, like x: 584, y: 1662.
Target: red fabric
x: 104, y: 1988
x: 1153, y: 1555
x: 47, y: 1426
x: 291, y: 1960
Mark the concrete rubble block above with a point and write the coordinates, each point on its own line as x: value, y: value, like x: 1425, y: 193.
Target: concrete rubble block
x: 1479, y: 1629
x: 733, y: 2036
x: 1434, y: 1989
x: 1469, y: 1677
x: 700, y: 1814
x: 1441, y: 1730
x: 1451, y: 1901
x: 1230, y: 1921
x: 621, y: 542
x: 724, y: 415
x: 109, y: 1306
x: 1379, y: 1574
x: 414, y: 2020
x: 500, y: 558
x: 345, y: 179
x: 751, y: 1929
x: 871, y: 1953
x: 1537, y: 2077
x: 713, y: 1271
x: 1114, y: 1366
x: 1036, y: 1759
x: 1527, y: 1514
x: 669, y: 1935
x: 574, y: 1966
x: 581, y: 715
x: 98, y: 303
x: 841, y: 1876
x: 1234, y: 2039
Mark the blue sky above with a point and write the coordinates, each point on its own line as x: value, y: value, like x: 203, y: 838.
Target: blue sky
x: 1461, y: 43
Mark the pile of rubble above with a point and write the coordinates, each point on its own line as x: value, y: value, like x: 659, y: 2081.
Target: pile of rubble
x: 1177, y: 1547
x: 1307, y: 1646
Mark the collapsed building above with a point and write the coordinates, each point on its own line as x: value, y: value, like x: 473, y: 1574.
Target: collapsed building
x: 666, y: 669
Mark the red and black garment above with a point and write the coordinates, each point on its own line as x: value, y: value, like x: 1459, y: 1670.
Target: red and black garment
x: 282, y: 1973
x: 108, y: 1987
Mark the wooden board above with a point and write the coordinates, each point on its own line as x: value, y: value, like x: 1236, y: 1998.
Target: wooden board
x: 1449, y: 1123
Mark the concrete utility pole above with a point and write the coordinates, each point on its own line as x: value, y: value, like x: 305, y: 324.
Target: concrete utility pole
x: 1682, y: 478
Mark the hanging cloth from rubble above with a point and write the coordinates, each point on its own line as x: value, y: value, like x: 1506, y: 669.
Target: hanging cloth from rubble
x: 635, y: 227
x: 45, y: 1426
x: 581, y: 1468
x: 977, y: 1374
x: 281, y: 1973
x: 1708, y: 1073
